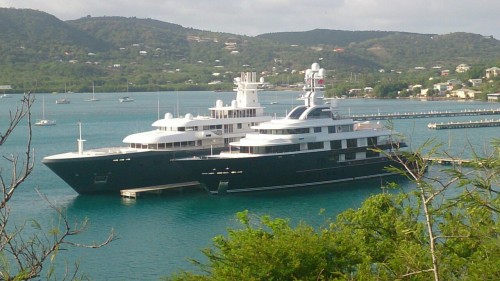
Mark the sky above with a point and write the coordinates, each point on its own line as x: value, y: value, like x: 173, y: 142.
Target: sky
x: 256, y: 17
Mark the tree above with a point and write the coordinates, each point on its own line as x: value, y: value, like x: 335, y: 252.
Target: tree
x: 447, y: 228
x: 22, y: 255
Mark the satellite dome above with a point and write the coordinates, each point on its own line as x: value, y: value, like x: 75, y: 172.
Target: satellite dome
x: 189, y: 116
x: 233, y: 103
x: 169, y: 115
x: 261, y: 80
x: 315, y: 66
x: 219, y: 103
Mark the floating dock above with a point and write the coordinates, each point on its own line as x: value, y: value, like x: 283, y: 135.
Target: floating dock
x: 431, y: 114
x: 463, y: 125
x: 447, y: 161
x: 158, y: 189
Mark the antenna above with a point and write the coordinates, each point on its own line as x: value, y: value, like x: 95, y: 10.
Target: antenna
x: 80, y: 140
x: 158, y: 104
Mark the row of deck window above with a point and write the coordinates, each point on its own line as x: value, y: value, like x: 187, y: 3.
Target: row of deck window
x: 165, y: 145
x: 334, y: 145
x: 295, y: 131
x: 207, y: 127
x: 224, y: 114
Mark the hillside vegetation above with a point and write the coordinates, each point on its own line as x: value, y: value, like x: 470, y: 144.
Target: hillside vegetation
x: 40, y: 51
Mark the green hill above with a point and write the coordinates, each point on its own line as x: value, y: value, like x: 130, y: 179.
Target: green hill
x: 37, y: 36
x: 339, y: 38
x: 39, y: 49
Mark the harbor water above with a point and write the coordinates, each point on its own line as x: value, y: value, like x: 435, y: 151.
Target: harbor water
x: 158, y: 234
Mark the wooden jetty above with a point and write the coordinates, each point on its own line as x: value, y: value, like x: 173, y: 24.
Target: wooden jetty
x: 462, y: 125
x: 431, y: 114
x: 447, y: 160
x: 158, y: 189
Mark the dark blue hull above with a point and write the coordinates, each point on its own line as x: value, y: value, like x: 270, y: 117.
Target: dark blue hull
x: 221, y: 175
x: 112, y: 173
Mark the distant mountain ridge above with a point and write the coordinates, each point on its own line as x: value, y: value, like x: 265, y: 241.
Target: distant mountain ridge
x: 340, y: 38
x: 148, y: 51
x: 25, y: 27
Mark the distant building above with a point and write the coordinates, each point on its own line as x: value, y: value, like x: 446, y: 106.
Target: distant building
x: 494, y: 97
x: 465, y: 93
x: 454, y: 82
x: 354, y: 91
x: 476, y: 82
x: 443, y: 87
x: 492, y: 72
x: 461, y: 68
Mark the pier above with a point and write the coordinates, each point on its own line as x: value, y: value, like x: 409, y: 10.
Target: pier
x: 431, y: 114
x: 462, y: 125
x: 447, y: 160
x: 158, y: 189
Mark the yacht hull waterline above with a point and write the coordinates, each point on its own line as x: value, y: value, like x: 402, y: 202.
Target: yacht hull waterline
x: 112, y: 173
x: 146, y: 160
x: 256, y: 173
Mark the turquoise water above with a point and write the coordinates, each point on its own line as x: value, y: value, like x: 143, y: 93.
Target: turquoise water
x: 157, y: 234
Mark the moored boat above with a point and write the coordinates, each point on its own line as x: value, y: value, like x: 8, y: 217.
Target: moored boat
x: 145, y: 160
x: 63, y: 101
x: 125, y: 99
x: 312, y: 145
x: 43, y: 121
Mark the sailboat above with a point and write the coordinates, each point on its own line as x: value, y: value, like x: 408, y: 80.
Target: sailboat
x: 126, y: 98
x: 93, y: 94
x: 275, y: 99
x: 43, y: 121
x: 64, y: 100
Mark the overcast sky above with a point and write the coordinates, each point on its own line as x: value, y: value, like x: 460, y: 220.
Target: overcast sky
x: 255, y: 17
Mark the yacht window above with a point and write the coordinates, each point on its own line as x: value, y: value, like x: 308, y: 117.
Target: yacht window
x: 320, y: 112
x: 372, y: 141
x: 344, y: 128
x: 336, y: 144
x: 168, y: 145
x: 205, y: 127
x: 152, y: 146
x: 315, y: 145
x: 350, y: 156
x: 295, y: 114
x: 331, y: 129
x: 298, y: 131
x: 161, y: 146
x: 371, y: 154
x: 239, y: 125
x: 317, y: 129
x: 352, y: 143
